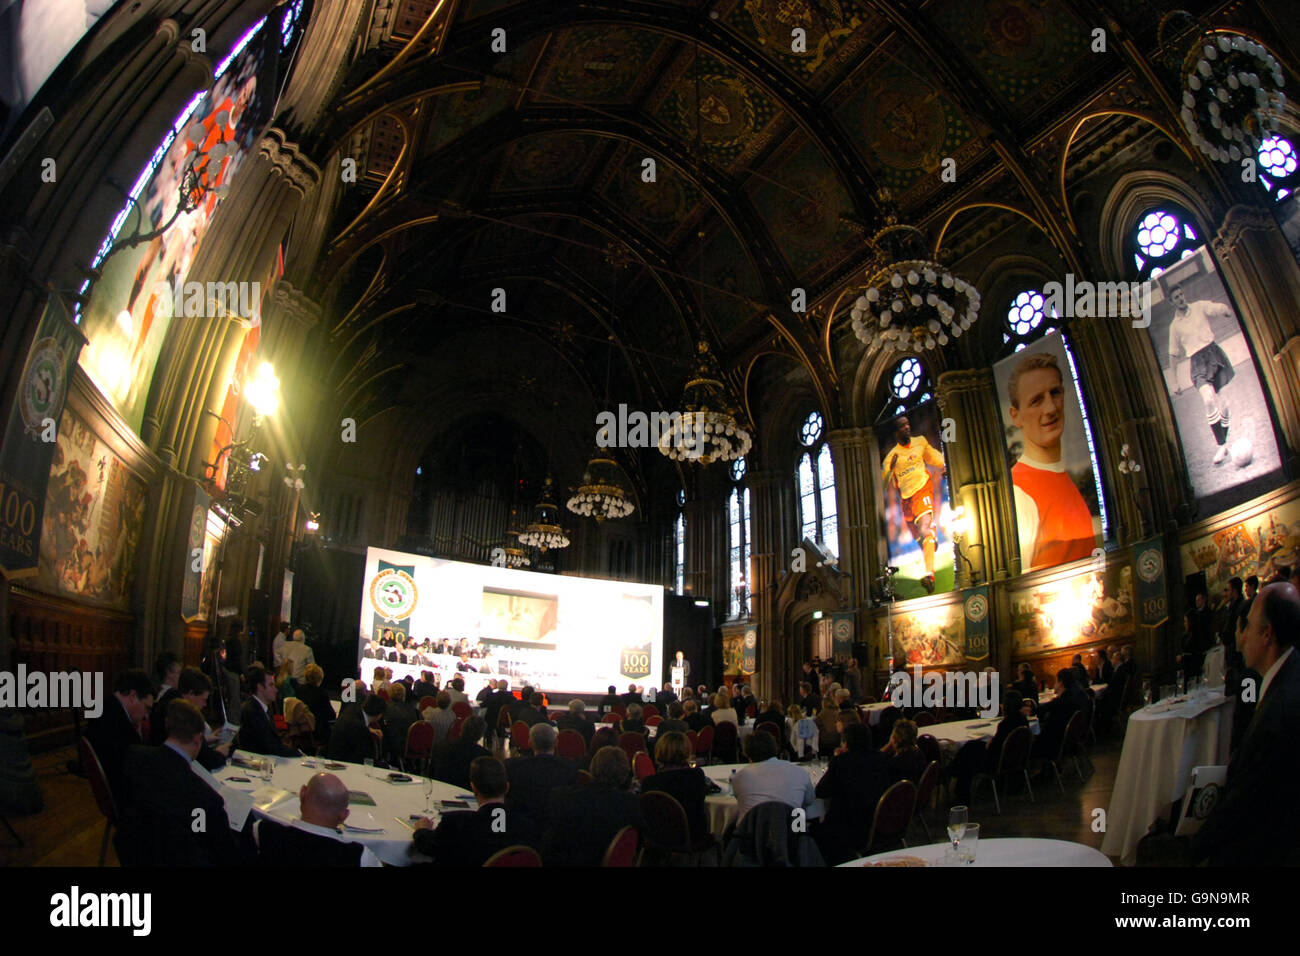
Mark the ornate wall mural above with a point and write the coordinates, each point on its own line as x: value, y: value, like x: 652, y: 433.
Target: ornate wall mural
x: 1256, y: 545
x: 931, y: 637
x: 1087, y: 607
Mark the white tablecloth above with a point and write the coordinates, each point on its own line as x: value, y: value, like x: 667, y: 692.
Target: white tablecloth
x: 394, y: 802
x: 1161, y: 746
x: 1215, y: 664
x: 1020, y: 851
x: 873, y: 711
x: 722, y: 807
x: 956, y: 733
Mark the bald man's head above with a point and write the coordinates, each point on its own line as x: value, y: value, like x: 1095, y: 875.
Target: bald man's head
x: 324, y: 801
x: 1272, y: 626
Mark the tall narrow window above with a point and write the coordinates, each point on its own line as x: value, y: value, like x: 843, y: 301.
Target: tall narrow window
x: 739, y: 540
x: 679, y: 547
x: 816, y: 486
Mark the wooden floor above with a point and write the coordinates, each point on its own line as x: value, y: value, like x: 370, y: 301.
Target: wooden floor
x: 69, y: 830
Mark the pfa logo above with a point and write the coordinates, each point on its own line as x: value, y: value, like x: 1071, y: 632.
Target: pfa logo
x: 1150, y: 564
x: 393, y: 594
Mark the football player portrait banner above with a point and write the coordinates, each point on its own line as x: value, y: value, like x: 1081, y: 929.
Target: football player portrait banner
x: 914, y: 511
x: 30, y: 438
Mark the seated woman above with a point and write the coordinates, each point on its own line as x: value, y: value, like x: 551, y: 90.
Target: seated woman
x: 906, y: 762
x: 634, y: 723
x: 722, y: 710
x: 679, y: 779
x: 827, y: 721
x: 772, y: 714
x: 982, y: 756
x: 314, y: 696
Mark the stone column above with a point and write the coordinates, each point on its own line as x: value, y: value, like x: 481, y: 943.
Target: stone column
x: 859, y: 518
x: 1261, y: 272
x: 767, y: 559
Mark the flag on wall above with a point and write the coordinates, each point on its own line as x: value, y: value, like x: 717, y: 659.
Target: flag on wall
x: 975, y: 605
x: 1149, y: 569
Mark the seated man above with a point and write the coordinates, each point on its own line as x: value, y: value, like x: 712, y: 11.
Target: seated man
x: 576, y: 719
x: 456, y: 688
x: 164, y: 801
x: 470, y: 838
x: 357, y: 733
x: 585, y: 819
x: 441, y: 716
x: 399, y: 715
x: 857, y: 776
x: 767, y: 778
x: 674, y: 722
x: 167, y: 670
x: 257, y: 732
x: 118, y: 727
x: 611, y: 699
x: 1254, y: 821
x: 313, y: 840
x: 533, y: 712
x: 452, y: 758
x: 695, y: 720
x: 532, y: 779
x: 634, y: 723
x: 1055, y: 714
x: 194, y: 686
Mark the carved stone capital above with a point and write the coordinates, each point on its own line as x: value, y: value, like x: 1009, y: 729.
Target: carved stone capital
x: 1236, y: 223
x: 294, y: 304
x: 846, y: 438
x: 291, y: 163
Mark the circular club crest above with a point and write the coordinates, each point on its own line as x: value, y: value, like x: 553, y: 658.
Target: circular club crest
x: 751, y: 639
x: 1205, y: 801
x: 977, y: 608
x: 43, y: 384
x: 198, y: 522
x: 393, y: 594
x: 843, y: 629
x: 1150, y: 564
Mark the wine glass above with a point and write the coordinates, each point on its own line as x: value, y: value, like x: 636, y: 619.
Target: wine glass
x: 428, y: 796
x: 957, y: 819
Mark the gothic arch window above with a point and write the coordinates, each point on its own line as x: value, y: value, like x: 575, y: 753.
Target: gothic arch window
x: 679, y: 546
x: 1028, y: 320
x: 740, y: 539
x: 815, y: 484
x: 289, y: 23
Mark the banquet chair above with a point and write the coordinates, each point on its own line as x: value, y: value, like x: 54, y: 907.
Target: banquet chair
x: 569, y: 743
x: 514, y: 856
x: 693, y: 740
x: 648, y: 711
x: 604, y: 737
x: 1072, y: 742
x: 668, y: 833
x: 94, y: 771
x: 654, y: 720
x: 454, y: 732
x: 419, y: 746
x: 751, y: 711
x: 644, y: 766
x: 892, y: 816
x: 462, y: 709
x: 426, y: 702
x: 924, y: 718
x: 770, y: 728
x: 619, y: 711
x: 1014, y: 758
x: 725, y: 737
x: 610, y: 718
x: 928, y: 744
x: 925, y: 790
x: 632, y: 742
x: 704, y: 743
x: 519, y: 737
x: 622, y: 849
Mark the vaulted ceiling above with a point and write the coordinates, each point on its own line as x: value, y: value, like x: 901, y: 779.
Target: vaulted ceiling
x: 526, y: 171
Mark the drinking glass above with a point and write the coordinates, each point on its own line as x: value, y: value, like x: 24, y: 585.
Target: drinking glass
x: 1182, y: 684
x: 428, y: 796
x: 268, y: 768
x: 969, y: 844
x: 1146, y: 693
x: 370, y: 766
x: 1166, y: 691
x: 957, y: 817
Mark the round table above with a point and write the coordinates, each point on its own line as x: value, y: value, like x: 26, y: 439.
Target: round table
x: 1162, y: 743
x: 722, y: 807
x: 1015, y: 851
x: 394, y: 802
x: 873, y: 711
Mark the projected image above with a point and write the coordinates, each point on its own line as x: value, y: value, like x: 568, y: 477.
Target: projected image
x: 480, y: 623
x: 509, y: 616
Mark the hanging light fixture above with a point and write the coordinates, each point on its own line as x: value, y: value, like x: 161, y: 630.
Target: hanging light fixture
x: 515, y: 556
x: 1232, y: 95
x: 708, y: 428
x: 544, y: 532
x: 601, y: 493
x: 910, y: 303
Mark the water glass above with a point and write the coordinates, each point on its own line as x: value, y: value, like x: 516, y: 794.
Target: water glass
x: 369, y: 763
x: 268, y: 768
x: 1146, y: 693
x: 1166, y: 691
x: 1182, y: 684
x: 957, y: 817
x: 969, y: 844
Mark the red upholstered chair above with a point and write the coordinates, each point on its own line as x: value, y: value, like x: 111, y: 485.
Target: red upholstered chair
x: 771, y: 728
x: 569, y: 743
x: 725, y: 737
x: 519, y: 736
x: 611, y: 718
x: 694, y: 739
x: 383, y: 694
x: 419, y: 745
x: 622, y: 849
x: 503, y: 723
x: 99, y: 787
x: 454, y: 733
x: 648, y: 711
x: 426, y: 702
x: 604, y: 737
x: 751, y: 711
x: 514, y: 856
x: 620, y: 710
x: 667, y: 831
x: 654, y: 720
x: 645, y: 767
x: 893, y: 814
x: 925, y: 719
x: 704, y: 742
x: 632, y: 743
x: 462, y: 709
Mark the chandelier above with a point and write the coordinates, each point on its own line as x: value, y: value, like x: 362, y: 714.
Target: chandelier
x: 601, y: 494
x: 910, y: 302
x: 544, y: 532
x: 1232, y: 95
x: 515, y: 556
x: 709, y: 429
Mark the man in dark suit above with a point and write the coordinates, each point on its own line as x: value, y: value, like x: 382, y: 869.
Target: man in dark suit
x: 357, y: 733
x: 167, y: 671
x: 631, y: 697
x: 585, y: 819
x: 853, y: 783
x: 532, y: 779
x: 313, y: 839
x: 452, y: 758
x: 1198, y: 622
x: 674, y: 721
x: 576, y: 719
x: 611, y: 699
x: 256, y: 725
x: 118, y: 727
x: 165, y: 802
x: 195, y: 687
x: 1055, y: 714
x: 1254, y: 821
x: 533, y: 712
x: 695, y: 720
x: 1233, y: 605
x: 471, y: 838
